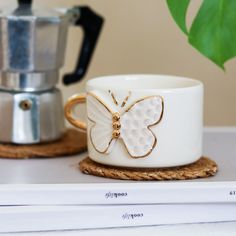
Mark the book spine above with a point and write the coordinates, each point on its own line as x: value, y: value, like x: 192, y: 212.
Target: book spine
x: 39, y: 218
x: 119, y: 195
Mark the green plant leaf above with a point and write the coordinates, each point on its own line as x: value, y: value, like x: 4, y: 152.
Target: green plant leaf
x: 178, y: 10
x: 213, y: 31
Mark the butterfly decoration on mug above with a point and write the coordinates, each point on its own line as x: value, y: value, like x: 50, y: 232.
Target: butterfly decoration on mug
x: 131, y: 124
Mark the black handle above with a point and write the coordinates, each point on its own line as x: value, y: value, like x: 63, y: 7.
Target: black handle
x: 91, y: 24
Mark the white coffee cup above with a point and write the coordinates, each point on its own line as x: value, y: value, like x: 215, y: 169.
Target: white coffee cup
x: 142, y: 120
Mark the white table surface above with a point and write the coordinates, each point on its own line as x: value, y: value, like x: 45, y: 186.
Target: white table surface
x: 212, y: 229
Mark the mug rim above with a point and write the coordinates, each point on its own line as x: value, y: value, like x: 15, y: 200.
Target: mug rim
x: 187, y: 83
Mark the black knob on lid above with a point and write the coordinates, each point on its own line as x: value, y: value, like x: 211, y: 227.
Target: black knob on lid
x: 24, y: 2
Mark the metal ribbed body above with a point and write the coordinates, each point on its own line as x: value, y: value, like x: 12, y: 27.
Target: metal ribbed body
x: 31, y: 117
x: 32, y: 48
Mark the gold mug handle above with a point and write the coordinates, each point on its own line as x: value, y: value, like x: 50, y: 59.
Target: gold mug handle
x: 71, y: 103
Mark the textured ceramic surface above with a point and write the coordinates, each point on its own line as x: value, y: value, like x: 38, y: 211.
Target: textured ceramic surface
x: 144, y: 120
x: 132, y: 125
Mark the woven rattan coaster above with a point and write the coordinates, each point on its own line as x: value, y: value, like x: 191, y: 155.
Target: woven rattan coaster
x: 204, y: 167
x: 72, y: 142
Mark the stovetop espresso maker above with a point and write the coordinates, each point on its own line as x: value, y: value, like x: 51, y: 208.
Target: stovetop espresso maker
x: 32, y: 47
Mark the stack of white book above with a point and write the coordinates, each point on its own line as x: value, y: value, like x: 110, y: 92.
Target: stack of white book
x: 52, y: 194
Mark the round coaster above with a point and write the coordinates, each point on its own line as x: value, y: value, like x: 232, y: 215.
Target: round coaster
x: 202, y: 168
x: 72, y: 142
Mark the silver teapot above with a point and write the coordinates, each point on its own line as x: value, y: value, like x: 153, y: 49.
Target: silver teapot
x: 32, y: 49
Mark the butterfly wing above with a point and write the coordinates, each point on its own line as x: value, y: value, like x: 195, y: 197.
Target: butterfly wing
x: 135, y: 125
x: 101, y: 129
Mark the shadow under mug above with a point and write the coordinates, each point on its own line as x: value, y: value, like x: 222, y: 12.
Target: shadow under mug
x: 143, y: 121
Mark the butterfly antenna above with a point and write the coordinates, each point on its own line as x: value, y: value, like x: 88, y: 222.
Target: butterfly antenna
x: 113, y: 98
x: 125, y: 100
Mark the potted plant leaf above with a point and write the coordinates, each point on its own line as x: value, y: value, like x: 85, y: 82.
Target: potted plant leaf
x: 213, y: 30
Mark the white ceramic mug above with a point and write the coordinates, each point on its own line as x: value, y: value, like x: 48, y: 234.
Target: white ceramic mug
x: 142, y: 120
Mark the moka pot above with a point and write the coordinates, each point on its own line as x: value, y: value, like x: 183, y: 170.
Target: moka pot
x: 32, y: 50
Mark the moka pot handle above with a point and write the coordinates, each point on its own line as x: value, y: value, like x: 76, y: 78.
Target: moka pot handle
x: 91, y: 24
